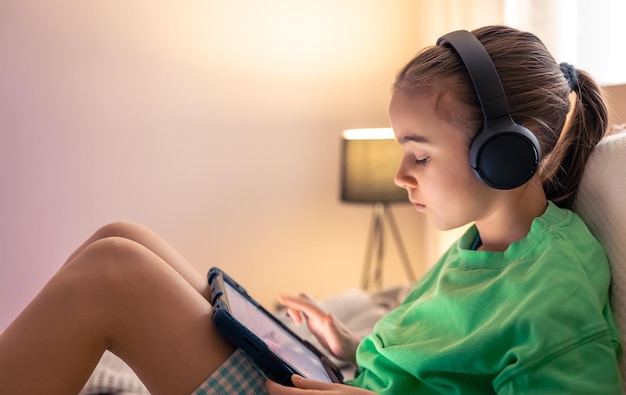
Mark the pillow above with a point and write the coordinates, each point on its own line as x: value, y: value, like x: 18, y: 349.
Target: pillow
x: 600, y: 203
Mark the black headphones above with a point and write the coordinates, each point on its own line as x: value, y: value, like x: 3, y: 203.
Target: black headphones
x: 503, y: 154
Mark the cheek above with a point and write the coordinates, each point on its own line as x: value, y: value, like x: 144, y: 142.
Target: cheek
x: 459, y: 176
x: 456, y: 201
x: 463, y: 174
x: 456, y: 185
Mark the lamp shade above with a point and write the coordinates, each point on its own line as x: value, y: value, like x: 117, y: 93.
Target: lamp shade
x: 369, y: 160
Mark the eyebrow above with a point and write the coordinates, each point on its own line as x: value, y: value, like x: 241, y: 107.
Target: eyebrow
x: 414, y: 138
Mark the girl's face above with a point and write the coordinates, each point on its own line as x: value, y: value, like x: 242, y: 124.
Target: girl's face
x: 435, y: 168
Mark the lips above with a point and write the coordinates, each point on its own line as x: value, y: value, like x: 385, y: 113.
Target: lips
x: 418, y: 206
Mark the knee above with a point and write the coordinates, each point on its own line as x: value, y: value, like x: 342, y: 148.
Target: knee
x: 121, y: 229
x: 111, y: 256
x: 109, y: 273
x: 113, y: 248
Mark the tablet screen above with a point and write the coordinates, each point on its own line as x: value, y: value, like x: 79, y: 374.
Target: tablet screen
x: 281, y: 342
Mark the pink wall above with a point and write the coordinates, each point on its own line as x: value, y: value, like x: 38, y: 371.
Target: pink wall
x: 215, y: 126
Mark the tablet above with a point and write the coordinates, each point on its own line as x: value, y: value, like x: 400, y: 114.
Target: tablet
x: 274, y: 348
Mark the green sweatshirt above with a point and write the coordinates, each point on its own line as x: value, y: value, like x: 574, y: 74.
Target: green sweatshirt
x: 534, y: 319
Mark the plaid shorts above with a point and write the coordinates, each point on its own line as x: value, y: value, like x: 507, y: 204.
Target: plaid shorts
x: 237, y: 376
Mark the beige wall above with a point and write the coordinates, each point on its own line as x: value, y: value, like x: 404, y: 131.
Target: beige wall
x: 216, y: 123
x: 616, y: 96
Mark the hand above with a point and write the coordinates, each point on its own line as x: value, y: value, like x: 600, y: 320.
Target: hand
x: 304, y: 386
x: 331, y: 333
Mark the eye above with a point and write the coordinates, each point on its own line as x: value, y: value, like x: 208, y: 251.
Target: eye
x: 422, y: 161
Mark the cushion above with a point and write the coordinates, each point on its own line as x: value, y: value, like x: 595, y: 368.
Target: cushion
x: 600, y: 203
x: 111, y: 376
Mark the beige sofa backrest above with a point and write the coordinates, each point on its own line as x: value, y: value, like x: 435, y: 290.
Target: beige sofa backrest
x: 600, y: 202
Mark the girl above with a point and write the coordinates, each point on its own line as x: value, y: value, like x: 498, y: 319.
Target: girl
x: 518, y: 305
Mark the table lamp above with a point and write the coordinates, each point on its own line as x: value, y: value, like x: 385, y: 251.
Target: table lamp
x: 369, y: 160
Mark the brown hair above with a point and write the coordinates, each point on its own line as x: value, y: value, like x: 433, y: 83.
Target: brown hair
x: 538, y: 93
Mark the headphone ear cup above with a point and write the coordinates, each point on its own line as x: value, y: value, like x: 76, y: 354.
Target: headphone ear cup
x: 504, y: 156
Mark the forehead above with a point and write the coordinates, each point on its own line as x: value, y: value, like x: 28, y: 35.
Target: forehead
x: 414, y: 119
x: 410, y: 111
x: 401, y: 101
x: 428, y: 113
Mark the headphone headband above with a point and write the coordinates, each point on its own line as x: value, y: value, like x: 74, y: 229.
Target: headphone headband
x: 482, y: 72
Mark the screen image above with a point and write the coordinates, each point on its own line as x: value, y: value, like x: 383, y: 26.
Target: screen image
x: 281, y: 342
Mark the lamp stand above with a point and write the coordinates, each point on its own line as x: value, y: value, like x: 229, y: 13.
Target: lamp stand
x: 373, y: 276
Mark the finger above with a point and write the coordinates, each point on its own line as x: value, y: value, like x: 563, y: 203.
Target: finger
x: 303, y: 303
x: 301, y: 298
x: 294, y: 315
x: 274, y: 388
x: 301, y: 382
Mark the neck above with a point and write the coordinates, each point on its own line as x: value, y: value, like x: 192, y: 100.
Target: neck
x: 510, y: 221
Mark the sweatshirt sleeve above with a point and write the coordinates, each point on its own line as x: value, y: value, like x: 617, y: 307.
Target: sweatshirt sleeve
x: 578, y: 369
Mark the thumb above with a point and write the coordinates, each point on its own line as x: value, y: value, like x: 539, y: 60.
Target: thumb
x: 301, y: 382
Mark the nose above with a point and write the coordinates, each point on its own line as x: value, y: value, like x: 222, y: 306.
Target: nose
x: 402, y: 178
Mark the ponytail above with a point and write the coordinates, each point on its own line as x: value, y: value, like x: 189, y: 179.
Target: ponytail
x: 587, y: 124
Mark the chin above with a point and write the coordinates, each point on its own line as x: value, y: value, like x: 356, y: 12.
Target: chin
x: 447, y: 225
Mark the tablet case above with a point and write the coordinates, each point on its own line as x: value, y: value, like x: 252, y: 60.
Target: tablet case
x: 268, y: 362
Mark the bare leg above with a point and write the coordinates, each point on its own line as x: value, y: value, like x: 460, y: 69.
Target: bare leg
x: 154, y: 243
x: 114, y: 294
